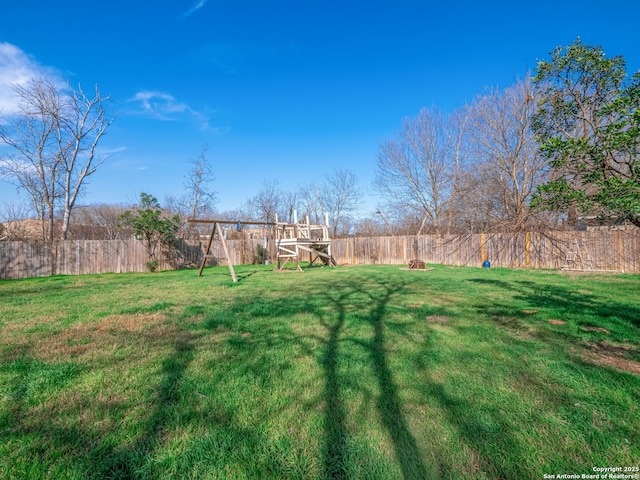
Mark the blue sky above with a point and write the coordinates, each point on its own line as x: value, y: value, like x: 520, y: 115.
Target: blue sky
x: 281, y: 90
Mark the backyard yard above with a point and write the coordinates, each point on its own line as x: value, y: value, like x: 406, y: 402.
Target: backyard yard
x: 368, y: 372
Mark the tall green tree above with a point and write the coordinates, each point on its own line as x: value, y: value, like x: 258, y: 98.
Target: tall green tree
x: 151, y: 227
x: 589, y: 128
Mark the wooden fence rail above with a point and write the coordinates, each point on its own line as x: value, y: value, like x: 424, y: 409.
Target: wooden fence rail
x: 610, y: 250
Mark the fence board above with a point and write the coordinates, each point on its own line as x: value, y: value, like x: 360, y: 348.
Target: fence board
x: 611, y: 250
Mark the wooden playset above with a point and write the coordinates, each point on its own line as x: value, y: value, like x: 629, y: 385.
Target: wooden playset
x: 293, y: 241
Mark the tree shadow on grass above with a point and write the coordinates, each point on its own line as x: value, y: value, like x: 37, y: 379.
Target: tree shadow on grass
x: 488, y: 424
x: 388, y: 404
x: 492, y: 421
x: 484, y: 429
x: 339, y: 307
x: 126, y: 463
x: 88, y: 451
x: 600, y: 328
x: 115, y: 452
x: 559, y: 298
x: 256, y: 342
x: 335, y: 415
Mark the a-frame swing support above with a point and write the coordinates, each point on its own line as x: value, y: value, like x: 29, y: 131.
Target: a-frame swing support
x: 216, y: 226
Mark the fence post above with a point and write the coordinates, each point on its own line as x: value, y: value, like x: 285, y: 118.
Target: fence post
x: 620, y: 251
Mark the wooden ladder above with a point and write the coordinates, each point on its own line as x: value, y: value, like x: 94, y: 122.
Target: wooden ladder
x: 575, y: 254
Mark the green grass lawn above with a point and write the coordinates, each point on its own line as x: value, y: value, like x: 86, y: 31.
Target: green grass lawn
x: 352, y: 372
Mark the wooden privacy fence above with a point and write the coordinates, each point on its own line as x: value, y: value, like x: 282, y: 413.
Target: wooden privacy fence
x: 610, y: 250
x: 78, y: 257
x: 607, y: 250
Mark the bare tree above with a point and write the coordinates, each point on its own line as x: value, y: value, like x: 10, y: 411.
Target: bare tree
x: 477, y: 209
x: 197, y: 185
x: 457, y: 133
x: 342, y: 198
x: 265, y: 204
x: 370, y: 226
x: 336, y: 197
x: 507, y: 166
x: 97, y: 222
x: 313, y: 200
x: 13, y: 225
x: 54, y: 135
x: 84, y: 124
x: 198, y: 199
x: 288, y: 205
x: 419, y: 169
x: 31, y: 132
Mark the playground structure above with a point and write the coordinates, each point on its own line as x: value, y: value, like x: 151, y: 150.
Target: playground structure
x: 293, y: 240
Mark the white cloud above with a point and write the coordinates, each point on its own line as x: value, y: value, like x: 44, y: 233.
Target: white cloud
x: 17, y: 166
x: 4, y: 164
x: 160, y: 105
x: 108, y: 152
x: 17, y: 68
x: 163, y: 106
x: 196, y: 7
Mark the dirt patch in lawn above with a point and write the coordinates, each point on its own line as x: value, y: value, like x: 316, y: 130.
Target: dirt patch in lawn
x: 81, y: 338
x: 131, y: 323
x: 588, y: 328
x: 609, y: 355
x: 25, y: 325
x: 437, y: 319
